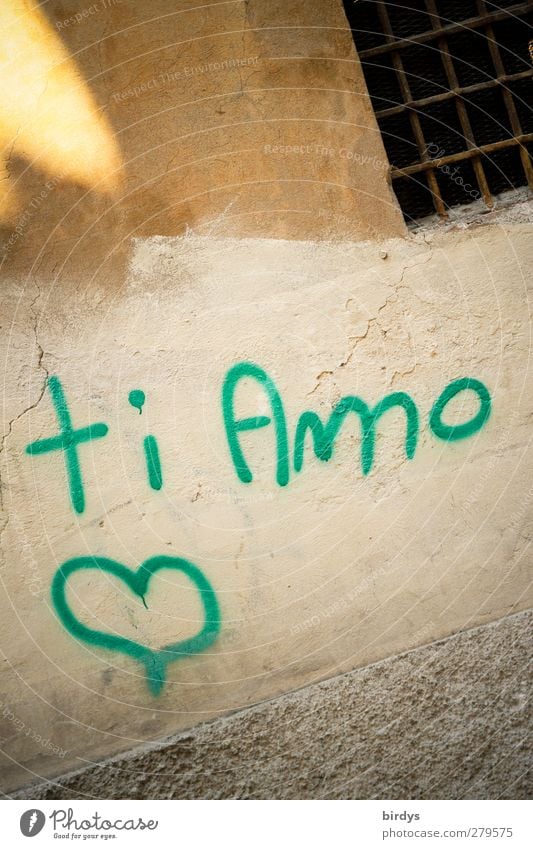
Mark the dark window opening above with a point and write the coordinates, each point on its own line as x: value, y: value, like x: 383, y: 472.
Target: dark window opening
x: 451, y: 82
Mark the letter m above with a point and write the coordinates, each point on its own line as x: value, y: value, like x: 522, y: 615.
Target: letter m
x: 324, y: 436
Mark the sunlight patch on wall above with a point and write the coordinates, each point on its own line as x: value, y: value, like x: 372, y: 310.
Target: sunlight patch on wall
x: 47, y: 112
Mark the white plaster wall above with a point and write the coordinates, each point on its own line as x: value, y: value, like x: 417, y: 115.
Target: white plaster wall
x: 326, y: 574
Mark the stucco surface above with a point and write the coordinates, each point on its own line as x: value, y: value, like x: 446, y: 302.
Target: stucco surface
x: 331, y: 572
x: 234, y: 118
x: 169, y: 137
x: 446, y: 721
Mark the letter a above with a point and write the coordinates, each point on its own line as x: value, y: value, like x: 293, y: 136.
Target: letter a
x: 235, y: 426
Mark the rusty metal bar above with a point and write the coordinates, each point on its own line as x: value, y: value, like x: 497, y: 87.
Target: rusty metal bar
x: 449, y: 94
x: 462, y: 113
x: 507, y: 96
x: 449, y: 29
x: 413, y: 117
x: 483, y: 149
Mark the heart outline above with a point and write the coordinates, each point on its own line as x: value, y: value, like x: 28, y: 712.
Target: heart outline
x: 154, y: 661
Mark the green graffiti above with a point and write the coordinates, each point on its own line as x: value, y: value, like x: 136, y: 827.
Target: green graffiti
x: 153, y: 463
x: 324, y: 435
x: 155, y: 662
x: 450, y: 433
x: 68, y: 441
x: 137, y: 399
x: 235, y: 426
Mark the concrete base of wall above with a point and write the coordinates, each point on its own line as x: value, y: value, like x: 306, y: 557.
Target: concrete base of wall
x: 445, y: 721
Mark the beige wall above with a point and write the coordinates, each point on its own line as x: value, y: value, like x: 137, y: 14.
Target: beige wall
x: 328, y: 573
x: 101, y: 290
x: 450, y: 720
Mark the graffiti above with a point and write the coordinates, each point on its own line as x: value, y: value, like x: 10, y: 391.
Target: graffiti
x: 235, y: 426
x: 154, y: 661
x: 324, y: 435
x: 137, y: 399
x: 68, y: 441
x: 153, y: 463
x: 452, y: 432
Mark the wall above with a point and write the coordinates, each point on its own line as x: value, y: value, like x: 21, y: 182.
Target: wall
x: 237, y: 118
x: 173, y: 551
x: 344, y: 563
x: 446, y: 721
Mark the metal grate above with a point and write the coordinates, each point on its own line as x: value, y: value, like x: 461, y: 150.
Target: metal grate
x: 451, y: 84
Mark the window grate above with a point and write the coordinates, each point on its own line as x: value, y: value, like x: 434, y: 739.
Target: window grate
x: 451, y: 85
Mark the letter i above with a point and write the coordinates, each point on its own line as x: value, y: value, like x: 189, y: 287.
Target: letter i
x: 151, y: 448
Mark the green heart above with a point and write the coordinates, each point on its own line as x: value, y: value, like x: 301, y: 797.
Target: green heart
x: 155, y: 661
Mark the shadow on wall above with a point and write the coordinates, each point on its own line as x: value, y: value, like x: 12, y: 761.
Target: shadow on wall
x: 124, y: 119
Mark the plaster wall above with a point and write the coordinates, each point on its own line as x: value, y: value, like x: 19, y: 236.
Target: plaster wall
x: 211, y: 191
x: 329, y: 572
x: 446, y: 721
x: 233, y: 118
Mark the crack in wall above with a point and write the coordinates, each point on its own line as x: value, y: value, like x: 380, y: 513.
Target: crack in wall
x: 40, y: 366
x: 393, y: 298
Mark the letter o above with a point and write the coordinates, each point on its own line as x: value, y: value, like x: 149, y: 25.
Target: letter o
x: 450, y: 433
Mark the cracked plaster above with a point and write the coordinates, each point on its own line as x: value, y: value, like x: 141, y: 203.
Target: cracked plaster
x: 332, y: 572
